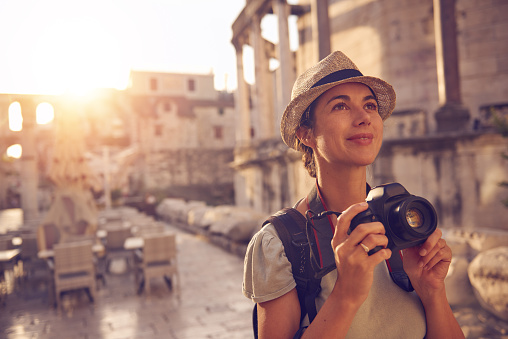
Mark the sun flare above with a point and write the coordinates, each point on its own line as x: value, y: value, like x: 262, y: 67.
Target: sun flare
x: 77, y: 56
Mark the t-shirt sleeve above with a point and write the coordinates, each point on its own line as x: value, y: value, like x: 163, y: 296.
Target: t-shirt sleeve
x: 267, y: 271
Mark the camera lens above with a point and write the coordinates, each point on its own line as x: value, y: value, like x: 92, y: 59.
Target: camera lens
x: 414, y: 217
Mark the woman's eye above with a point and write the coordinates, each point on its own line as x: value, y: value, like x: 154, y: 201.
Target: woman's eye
x: 340, y: 106
x: 371, y: 106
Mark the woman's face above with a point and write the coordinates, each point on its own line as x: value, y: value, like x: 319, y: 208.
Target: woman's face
x: 348, y: 129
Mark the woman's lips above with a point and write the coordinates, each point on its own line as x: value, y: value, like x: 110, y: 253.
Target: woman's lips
x: 362, y: 138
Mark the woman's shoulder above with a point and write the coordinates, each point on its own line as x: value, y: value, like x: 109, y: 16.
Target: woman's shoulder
x: 267, y: 271
x: 265, y: 240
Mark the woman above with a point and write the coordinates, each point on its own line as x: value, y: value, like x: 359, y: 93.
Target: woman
x: 336, y: 119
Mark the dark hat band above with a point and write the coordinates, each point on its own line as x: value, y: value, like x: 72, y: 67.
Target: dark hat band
x: 343, y: 74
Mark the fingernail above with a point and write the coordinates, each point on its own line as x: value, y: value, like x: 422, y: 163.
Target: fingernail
x: 423, y: 252
x: 363, y: 204
x: 420, y: 264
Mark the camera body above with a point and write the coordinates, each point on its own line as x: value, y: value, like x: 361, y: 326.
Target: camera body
x: 408, y: 219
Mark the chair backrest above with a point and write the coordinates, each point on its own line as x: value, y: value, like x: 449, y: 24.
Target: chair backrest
x: 159, y: 247
x: 47, y: 236
x: 115, y: 237
x: 154, y: 227
x: 29, y: 246
x: 6, y: 242
x: 73, y: 257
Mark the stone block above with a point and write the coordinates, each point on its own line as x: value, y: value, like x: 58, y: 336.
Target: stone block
x: 459, y: 291
x: 487, y: 239
x: 489, y: 277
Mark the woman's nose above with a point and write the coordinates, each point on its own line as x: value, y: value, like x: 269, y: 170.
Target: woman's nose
x: 362, y: 117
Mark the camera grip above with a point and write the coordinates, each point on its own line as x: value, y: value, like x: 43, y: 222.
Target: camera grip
x: 363, y: 218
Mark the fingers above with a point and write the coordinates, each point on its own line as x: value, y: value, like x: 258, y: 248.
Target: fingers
x: 434, y: 250
x: 360, y: 232
x: 368, y: 234
x: 344, y: 220
x: 429, y: 244
x: 440, y: 252
x: 374, y: 240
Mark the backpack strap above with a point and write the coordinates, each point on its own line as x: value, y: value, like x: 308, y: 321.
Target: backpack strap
x: 290, y: 225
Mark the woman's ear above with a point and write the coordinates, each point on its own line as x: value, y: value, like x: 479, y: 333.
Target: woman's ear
x: 304, y: 134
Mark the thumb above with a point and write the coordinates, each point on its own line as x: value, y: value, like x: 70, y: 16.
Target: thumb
x: 344, y: 220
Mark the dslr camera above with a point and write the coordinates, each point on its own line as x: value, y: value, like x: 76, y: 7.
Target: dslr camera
x: 408, y: 219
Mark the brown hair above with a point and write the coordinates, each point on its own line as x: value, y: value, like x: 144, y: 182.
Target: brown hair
x: 307, y: 121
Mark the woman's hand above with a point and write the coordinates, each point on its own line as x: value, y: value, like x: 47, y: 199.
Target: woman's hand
x: 354, y: 266
x: 427, y: 265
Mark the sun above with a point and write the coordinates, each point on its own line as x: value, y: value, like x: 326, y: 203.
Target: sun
x: 78, y: 55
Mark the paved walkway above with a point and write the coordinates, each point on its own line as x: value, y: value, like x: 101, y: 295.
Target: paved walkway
x: 211, y: 304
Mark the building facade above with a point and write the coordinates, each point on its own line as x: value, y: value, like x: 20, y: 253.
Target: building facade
x: 185, y: 131
x: 447, y: 61
x: 167, y: 132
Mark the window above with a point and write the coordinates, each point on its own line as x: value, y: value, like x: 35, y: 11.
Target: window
x: 153, y: 84
x: 192, y: 85
x: 15, y: 117
x: 218, y: 132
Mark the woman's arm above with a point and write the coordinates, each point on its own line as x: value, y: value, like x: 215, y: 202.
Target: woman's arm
x: 279, y: 318
x: 441, y: 322
x: 427, y: 267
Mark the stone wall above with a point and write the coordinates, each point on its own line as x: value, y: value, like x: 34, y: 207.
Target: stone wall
x: 458, y: 174
x: 395, y: 41
x: 191, y: 173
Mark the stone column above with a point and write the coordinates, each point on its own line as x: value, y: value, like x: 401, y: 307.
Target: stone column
x: 107, y: 176
x: 321, y: 27
x: 263, y: 121
x: 286, y: 74
x: 29, y: 173
x: 451, y: 116
x: 243, y: 116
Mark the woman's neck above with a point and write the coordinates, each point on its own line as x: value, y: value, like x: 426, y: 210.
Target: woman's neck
x: 342, y: 188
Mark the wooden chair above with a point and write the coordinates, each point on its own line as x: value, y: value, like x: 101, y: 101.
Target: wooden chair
x: 74, y: 268
x: 114, y: 243
x: 47, y: 236
x: 6, y: 243
x: 28, y: 255
x: 158, y: 259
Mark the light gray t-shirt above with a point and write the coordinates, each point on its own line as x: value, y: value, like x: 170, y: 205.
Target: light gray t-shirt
x: 388, y: 311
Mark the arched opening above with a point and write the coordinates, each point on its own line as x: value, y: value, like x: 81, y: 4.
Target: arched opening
x: 15, y: 117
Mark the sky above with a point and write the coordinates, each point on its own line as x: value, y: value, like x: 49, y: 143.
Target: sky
x: 60, y: 46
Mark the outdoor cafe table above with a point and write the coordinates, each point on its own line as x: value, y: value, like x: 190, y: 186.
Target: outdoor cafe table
x: 7, y: 256
x: 134, y: 243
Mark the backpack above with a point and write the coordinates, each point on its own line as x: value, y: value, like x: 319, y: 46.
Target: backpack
x: 290, y: 226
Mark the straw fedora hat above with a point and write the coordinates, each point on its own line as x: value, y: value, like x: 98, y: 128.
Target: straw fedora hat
x: 333, y: 70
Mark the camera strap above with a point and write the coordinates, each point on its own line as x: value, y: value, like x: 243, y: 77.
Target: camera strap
x: 320, y: 229
x: 396, y: 269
